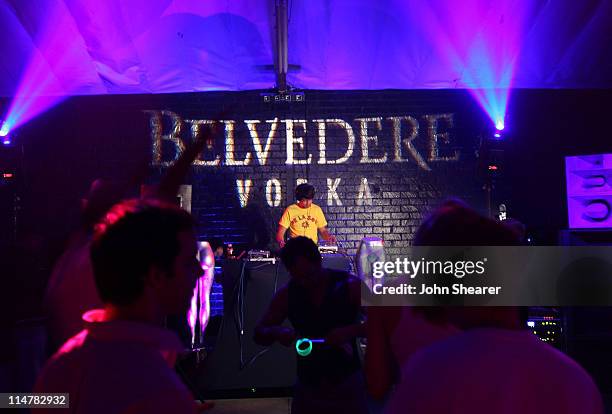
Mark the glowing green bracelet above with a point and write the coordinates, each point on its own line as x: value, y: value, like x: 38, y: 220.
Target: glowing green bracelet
x: 305, y: 351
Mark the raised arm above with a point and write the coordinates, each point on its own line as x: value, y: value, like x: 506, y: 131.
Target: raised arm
x: 175, y: 174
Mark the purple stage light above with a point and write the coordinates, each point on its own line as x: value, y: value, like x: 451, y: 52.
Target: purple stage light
x: 168, y: 46
x: 4, y: 131
x: 48, y: 76
x: 481, y: 40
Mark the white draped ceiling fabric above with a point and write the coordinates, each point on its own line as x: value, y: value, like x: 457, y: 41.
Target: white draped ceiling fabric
x: 92, y: 47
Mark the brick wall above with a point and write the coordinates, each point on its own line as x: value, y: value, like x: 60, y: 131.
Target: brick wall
x: 361, y: 196
x: 111, y: 136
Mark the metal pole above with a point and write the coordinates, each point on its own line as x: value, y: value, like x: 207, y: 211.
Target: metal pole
x: 281, y: 60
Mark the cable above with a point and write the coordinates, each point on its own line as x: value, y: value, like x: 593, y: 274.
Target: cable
x: 237, y: 305
x: 275, y: 278
x: 263, y: 351
x: 260, y: 266
x: 239, y: 313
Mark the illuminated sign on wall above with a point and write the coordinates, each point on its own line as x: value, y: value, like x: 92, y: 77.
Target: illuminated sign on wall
x: 261, y: 144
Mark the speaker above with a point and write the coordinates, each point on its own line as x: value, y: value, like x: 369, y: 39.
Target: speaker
x: 589, y: 191
x: 237, y: 362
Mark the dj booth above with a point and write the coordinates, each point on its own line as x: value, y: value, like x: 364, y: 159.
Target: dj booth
x: 236, y: 362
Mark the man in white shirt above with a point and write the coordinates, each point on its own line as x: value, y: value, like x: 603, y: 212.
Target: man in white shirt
x: 145, y: 267
x: 494, y: 366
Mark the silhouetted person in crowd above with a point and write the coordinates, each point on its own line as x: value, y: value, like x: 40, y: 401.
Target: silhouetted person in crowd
x: 494, y: 365
x: 70, y: 290
x: 396, y: 333
x: 144, y: 263
x: 324, y: 304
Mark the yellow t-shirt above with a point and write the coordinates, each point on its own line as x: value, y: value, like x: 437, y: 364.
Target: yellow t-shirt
x: 303, y: 221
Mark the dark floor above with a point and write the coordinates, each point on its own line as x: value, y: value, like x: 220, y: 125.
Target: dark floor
x: 252, y: 406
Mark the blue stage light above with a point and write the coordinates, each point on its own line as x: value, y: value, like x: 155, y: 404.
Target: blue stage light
x: 4, y: 130
x: 498, y: 132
